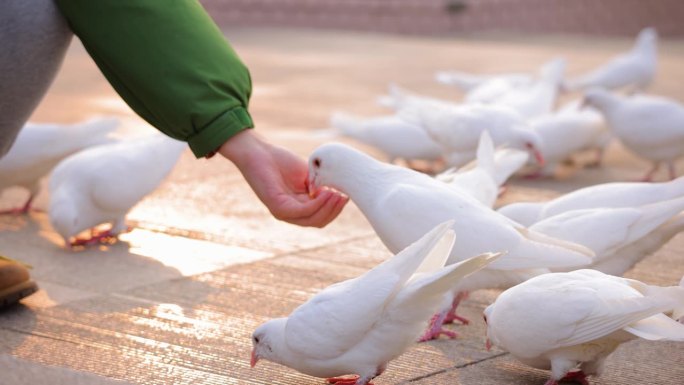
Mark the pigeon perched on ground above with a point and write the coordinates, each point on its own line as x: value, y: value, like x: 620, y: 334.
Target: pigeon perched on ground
x: 634, y: 69
x: 402, y: 204
x: 567, y: 132
x: 533, y: 100
x: 467, y: 82
x: 101, y: 184
x: 39, y: 147
x: 484, y: 178
x: 569, y: 321
x: 458, y: 128
x: 611, y: 232
x: 627, y: 194
x: 650, y: 126
x: 358, y: 326
x: 390, y: 134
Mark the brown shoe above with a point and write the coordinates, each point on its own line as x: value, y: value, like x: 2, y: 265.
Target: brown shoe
x: 15, y: 282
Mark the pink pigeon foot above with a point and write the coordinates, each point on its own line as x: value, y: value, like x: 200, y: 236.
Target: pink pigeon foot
x: 435, y: 329
x: 19, y: 210
x: 351, y: 380
x: 97, y: 237
x: 576, y: 376
x: 451, y: 315
x: 534, y: 175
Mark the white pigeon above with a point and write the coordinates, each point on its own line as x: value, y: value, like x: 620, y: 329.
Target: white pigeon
x: 533, y: 100
x: 625, y: 258
x: 635, y: 69
x: 39, y: 147
x: 398, y: 98
x: 467, y: 81
x: 608, y: 231
x: 402, y: 204
x: 358, y: 326
x: 625, y: 194
x: 484, y: 178
x: 569, y: 321
x: 567, y: 132
x: 650, y: 126
x: 457, y: 128
x: 390, y: 134
x: 101, y: 184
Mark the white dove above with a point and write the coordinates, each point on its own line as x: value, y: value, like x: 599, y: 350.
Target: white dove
x: 625, y: 258
x: 458, y: 128
x: 569, y: 321
x: 390, y: 134
x: 101, y: 184
x: 483, y: 179
x: 625, y: 194
x: 609, y: 231
x: 398, y: 98
x: 402, y: 204
x: 392, y: 302
x: 39, y: 147
x: 533, y: 100
x: 567, y: 132
x: 650, y: 126
x: 468, y: 82
x: 634, y: 69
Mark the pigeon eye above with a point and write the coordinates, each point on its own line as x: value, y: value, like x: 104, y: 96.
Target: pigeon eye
x: 485, y: 318
x: 256, y: 339
x: 317, y: 162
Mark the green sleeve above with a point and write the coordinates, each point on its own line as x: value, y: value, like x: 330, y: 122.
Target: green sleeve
x: 170, y: 63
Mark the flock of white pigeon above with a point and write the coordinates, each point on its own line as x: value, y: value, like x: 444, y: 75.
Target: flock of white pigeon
x: 447, y: 237
x: 449, y: 240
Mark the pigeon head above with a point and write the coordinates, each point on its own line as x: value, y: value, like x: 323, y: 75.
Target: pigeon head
x: 331, y: 164
x: 647, y: 37
x: 531, y: 142
x: 490, y: 339
x: 266, y: 340
x: 64, y: 219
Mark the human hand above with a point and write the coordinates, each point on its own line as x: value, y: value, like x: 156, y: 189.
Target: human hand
x: 279, y: 179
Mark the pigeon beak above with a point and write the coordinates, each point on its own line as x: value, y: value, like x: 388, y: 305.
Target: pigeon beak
x: 255, y: 358
x: 311, y: 188
x: 488, y: 345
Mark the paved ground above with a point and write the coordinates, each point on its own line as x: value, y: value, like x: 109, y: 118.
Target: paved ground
x: 175, y: 301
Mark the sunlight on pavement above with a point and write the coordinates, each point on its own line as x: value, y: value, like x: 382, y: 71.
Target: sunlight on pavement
x: 188, y: 256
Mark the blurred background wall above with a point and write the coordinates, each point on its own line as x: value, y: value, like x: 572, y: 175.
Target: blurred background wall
x: 595, y: 17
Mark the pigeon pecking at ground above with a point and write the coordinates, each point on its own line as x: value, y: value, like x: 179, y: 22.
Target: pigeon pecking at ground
x: 391, y: 303
x: 101, y: 184
x: 571, y: 322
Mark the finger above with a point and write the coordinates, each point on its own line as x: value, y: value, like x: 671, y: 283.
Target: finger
x: 326, y: 214
x: 293, y: 209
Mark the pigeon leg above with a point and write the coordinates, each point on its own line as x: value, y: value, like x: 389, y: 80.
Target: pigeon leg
x: 451, y: 315
x: 649, y: 175
x: 435, y: 329
x: 671, y: 168
x: 351, y: 380
x: 20, y: 210
x: 577, y: 376
x: 96, y: 237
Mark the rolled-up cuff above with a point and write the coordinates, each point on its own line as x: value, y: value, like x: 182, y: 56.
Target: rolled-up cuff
x: 211, y: 137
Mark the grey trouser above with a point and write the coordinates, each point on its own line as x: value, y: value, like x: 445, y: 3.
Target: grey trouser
x: 33, y: 40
